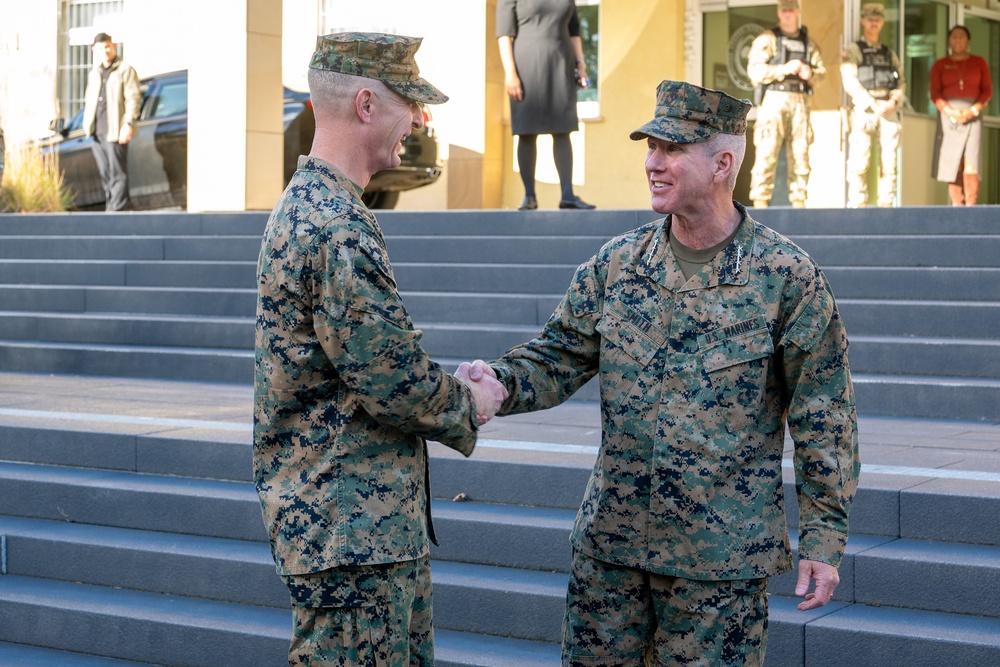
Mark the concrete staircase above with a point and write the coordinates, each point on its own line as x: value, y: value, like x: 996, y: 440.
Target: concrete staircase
x: 172, y: 296
x: 134, y: 536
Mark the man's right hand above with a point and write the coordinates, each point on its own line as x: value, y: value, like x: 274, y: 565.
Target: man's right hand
x: 487, y: 392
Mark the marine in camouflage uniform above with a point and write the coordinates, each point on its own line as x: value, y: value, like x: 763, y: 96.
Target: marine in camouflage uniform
x: 344, y: 396
x: 874, y: 80
x: 787, y: 64
x: 683, y: 518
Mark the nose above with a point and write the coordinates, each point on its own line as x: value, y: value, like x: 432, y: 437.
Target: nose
x: 416, y: 116
x: 652, y: 160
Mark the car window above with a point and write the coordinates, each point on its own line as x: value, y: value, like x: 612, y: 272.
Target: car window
x: 76, y: 122
x: 171, y: 99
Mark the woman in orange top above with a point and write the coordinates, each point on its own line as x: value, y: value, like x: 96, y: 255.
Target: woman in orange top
x: 961, y: 87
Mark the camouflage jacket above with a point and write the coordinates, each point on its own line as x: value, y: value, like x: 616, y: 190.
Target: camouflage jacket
x: 343, y: 393
x: 697, y: 379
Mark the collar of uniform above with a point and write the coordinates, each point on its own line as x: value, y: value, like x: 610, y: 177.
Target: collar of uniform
x: 657, y: 262
x: 310, y: 163
x: 729, y: 267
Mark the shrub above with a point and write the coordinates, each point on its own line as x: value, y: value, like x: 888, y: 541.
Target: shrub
x: 32, y: 182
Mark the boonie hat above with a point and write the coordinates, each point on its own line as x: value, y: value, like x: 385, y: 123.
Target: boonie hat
x: 687, y: 114
x: 788, y: 4
x: 873, y: 10
x: 375, y: 55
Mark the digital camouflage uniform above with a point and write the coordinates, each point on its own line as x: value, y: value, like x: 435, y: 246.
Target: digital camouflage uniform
x: 344, y: 397
x: 870, y: 73
x: 782, y: 117
x: 684, y: 507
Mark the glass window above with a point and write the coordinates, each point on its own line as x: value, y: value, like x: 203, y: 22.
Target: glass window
x: 590, y: 16
x: 925, y: 26
x: 985, y: 42
x: 726, y: 45
x: 80, y: 21
x: 171, y: 100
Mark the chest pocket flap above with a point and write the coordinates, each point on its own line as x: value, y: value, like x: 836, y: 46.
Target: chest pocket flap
x: 627, y: 329
x: 374, y: 251
x: 736, y: 344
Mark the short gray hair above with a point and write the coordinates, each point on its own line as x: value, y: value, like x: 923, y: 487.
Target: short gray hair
x: 334, y: 91
x: 729, y: 143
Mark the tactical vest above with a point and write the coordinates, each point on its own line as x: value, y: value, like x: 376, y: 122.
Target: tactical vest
x: 875, y: 71
x: 788, y: 49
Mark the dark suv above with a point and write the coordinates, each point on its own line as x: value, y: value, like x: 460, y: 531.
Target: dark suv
x: 157, y: 155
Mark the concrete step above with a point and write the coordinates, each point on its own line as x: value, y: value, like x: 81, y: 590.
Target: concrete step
x: 171, y: 248
x: 941, y: 397
x: 495, y: 601
x: 48, y: 618
x: 950, y: 357
x: 481, y: 307
x: 138, y: 626
x: 19, y: 655
x: 120, y: 299
x: 208, y: 508
x: 167, y: 363
x: 491, y: 534
x: 151, y: 447
x: 887, y: 317
x: 137, y: 273
x: 233, y: 571
x: 607, y: 223
x: 933, y: 576
x: 460, y: 649
x: 574, y: 249
x: 473, y: 341
x: 954, y: 250
x: 144, y: 223
x: 915, y: 283
x: 890, y: 637
x: 474, y: 598
x: 236, y: 333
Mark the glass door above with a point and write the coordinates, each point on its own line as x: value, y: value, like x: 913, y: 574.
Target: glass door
x: 984, y: 27
x: 726, y: 39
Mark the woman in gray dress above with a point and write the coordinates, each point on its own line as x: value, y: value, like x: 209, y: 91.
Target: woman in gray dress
x: 542, y: 56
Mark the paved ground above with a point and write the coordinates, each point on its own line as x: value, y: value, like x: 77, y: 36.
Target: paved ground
x: 892, y: 447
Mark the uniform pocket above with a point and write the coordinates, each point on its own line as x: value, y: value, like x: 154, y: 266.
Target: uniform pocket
x: 736, y: 366
x: 363, y: 586
x: 374, y: 285
x: 629, y: 342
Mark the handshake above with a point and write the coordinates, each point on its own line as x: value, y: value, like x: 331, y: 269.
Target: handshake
x: 488, y: 392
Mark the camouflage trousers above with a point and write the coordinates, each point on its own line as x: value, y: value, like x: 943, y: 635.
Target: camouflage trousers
x: 864, y: 127
x: 364, y: 616
x: 782, y: 118
x: 620, y: 617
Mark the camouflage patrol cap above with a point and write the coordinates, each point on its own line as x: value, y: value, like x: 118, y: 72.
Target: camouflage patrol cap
x: 687, y: 114
x: 375, y: 55
x: 788, y: 4
x: 873, y: 10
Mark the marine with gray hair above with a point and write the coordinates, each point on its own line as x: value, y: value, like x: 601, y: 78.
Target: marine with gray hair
x: 709, y: 333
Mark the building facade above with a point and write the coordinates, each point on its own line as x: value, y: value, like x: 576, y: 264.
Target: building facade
x: 239, y: 52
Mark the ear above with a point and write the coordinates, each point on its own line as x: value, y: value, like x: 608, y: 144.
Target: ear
x: 363, y: 105
x: 724, y: 162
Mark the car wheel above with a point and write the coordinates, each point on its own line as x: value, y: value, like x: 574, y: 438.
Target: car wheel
x: 380, y: 199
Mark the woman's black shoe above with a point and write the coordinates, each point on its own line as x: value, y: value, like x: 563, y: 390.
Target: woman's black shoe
x: 575, y: 202
x: 529, y: 204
